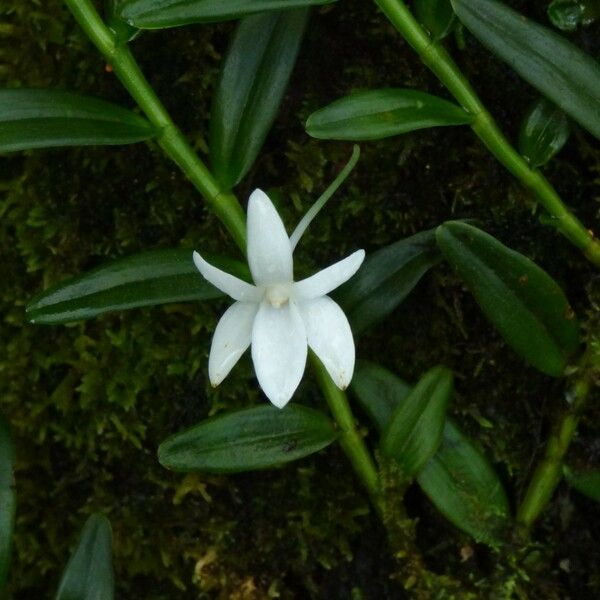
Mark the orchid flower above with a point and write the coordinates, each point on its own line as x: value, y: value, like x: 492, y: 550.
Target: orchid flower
x: 281, y: 318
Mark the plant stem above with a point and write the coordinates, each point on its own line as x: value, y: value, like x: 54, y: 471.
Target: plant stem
x: 441, y: 64
x: 224, y: 204
x: 350, y: 440
x: 170, y: 138
x: 548, y: 473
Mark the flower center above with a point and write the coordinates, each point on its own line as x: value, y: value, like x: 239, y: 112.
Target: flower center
x: 278, y: 294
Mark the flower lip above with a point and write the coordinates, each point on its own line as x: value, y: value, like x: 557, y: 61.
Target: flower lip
x: 278, y: 294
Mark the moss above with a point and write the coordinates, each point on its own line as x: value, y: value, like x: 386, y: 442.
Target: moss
x: 90, y: 403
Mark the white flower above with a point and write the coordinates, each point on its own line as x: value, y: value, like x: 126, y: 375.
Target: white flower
x: 278, y: 316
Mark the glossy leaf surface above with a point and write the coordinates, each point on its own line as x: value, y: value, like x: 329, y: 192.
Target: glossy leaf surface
x: 89, y: 573
x: 385, y: 279
x: 465, y: 488
x: 521, y: 300
x: 253, y: 81
x: 146, y: 279
x: 377, y: 114
x: 415, y: 429
x: 47, y: 118
x: 8, y: 499
x: 247, y: 440
x: 436, y: 16
x: 547, y: 60
x: 158, y: 14
x: 544, y: 131
x: 587, y: 483
x: 378, y: 391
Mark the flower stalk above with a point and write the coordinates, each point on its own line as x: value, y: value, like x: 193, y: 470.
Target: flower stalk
x: 437, y: 59
x: 222, y: 202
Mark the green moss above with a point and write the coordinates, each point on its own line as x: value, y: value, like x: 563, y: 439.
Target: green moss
x: 90, y: 403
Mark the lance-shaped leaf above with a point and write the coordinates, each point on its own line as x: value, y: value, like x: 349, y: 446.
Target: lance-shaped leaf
x: 521, y: 300
x: 253, y: 81
x: 544, y: 132
x: 8, y: 499
x: 465, y: 488
x: 586, y: 482
x: 436, y: 15
x: 158, y: 14
x: 378, y: 391
x: 89, y: 573
x: 377, y: 114
x: 146, y: 279
x: 557, y: 68
x: 247, y: 440
x: 46, y: 118
x: 386, y: 277
x: 415, y: 429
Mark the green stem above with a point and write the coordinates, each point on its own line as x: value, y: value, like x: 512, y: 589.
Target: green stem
x: 350, y: 440
x: 170, y: 138
x: 441, y: 64
x: 548, y: 473
x: 224, y: 204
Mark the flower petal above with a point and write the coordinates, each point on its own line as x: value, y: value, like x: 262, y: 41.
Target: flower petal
x: 330, y: 337
x: 328, y: 279
x: 279, y: 351
x: 269, y: 248
x: 231, y: 285
x: 232, y: 338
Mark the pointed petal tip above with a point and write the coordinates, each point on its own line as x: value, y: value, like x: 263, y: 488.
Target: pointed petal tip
x: 279, y: 401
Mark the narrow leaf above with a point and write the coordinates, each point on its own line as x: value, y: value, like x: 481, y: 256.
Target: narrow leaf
x: 521, y: 300
x: 89, y: 573
x: 246, y: 440
x: 253, y: 81
x: 146, y: 279
x: 465, y: 488
x: 46, y: 118
x: 385, y: 279
x: 377, y: 114
x: 436, y: 16
x: 587, y: 483
x: 378, y: 391
x: 415, y: 430
x: 544, y: 131
x: 557, y: 68
x: 158, y: 14
x: 8, y: 499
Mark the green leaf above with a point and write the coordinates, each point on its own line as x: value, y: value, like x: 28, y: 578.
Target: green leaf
x: 122, y: 30
x: 146, y: 279
x: 89, y: 573
x: 557, y: 68
x: 253, y: 81
x: 465, y: 488
x: 159, y: 14
x: 587, y: 483
x: 46, y: 118
x: 521, y: 300
x: 436, y: 16
x: 415, y: 430
x: 377, y: 114
x: 8, y: 499
x: 378, y: 391
x: 246, y: 440
x: 385, y: 279
x: 544, y: 131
